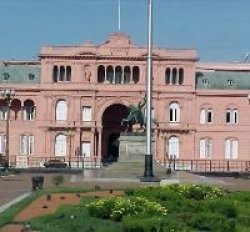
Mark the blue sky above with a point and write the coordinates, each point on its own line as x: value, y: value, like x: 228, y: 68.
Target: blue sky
x: 218, y: 29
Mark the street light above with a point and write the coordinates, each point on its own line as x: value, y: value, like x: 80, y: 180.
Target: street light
x: 71, y: 133
x: 7, y: 95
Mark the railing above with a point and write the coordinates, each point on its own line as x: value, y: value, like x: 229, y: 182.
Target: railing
x: 75, y: 162
x: 210, y: 165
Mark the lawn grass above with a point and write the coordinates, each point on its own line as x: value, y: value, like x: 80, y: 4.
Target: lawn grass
x: 187, y: 210
x: 75, y: 219
x: 9, y: 214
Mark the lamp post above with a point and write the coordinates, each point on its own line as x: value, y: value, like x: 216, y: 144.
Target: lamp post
x: 71, y: 132
x: 7, y: 95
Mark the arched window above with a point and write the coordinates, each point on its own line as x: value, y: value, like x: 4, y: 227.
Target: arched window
x: 231, y: 149
x: 174, y: 76
x: 127, y: 74
x: 118, y: 75
x: 29, y: 110
x: 60, y: 145
x: 55, y: 74
x: 173, y: 147
x: 101, y: 74
x: 181, y: 76
x: 68, y: 73
x: 174, y: 112
x: 110, y: 74
x: 206, y: 148
x: 62, y: 73
x: 136, y: 74
x: 61, y: 110
x: 168, y: 76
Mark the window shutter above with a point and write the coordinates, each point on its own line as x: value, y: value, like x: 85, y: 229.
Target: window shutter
x: 1, y: 144
x: 234, y: 149
x: 202, y: 116
x: 178, y: 114
x: 31, y: 144
x: 61, y: 111
x: 227, y: 149
x: 23, y: 145
x: 86, y: 113
x: 209, y: 149
x: 86, y: 149
x: 202, y: 149
x: 235, y: 116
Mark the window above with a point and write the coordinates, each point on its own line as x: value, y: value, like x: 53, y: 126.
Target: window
x: 86, y: 149
x: 6, y: 76
x: 27, y: 143
x: 174, y: 112
x: 60, y: 145
x: 29, y: 110
x: 173, y: 147
x: 205, y: 82
x: 181, y: 76
x: 86, y: 113
x: 206, y: 148
x: 3, y: 112
x: 61, y: 110
x: 230, y: 82
x: 31, y: 76
x: 167, y: 76
x: 231, y: 149
x: 29, y: 113
x: 101, y: 74
x: 2, y: 144
x: 61, y: 73
x: 206, y: 116
x: 174, y: 76
x: 232, y: 116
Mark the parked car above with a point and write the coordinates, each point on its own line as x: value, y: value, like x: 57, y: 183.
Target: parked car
x: 55, y: 164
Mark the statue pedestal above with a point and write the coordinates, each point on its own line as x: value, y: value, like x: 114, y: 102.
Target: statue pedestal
x: 132, y: 147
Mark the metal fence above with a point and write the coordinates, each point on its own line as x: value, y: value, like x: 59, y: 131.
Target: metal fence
x: 210, y: 165
x: 72, y: 162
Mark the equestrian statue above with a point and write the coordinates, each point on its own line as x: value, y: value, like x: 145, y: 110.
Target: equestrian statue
x: 135, y: 116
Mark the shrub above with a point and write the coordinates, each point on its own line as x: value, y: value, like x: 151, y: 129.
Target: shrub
x: 223, y: 207
x: 57, y: 180
x: 116, y: 208
x: 153, y: 224
x: 212, y: 222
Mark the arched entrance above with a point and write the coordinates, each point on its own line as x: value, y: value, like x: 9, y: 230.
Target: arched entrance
x: 111, y: 122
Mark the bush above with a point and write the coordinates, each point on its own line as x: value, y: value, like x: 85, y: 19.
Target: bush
x: 223, y: 207
x: 153, y: 224
x: 116, y: 208
x: 212, y: 222
x: 57, y: 180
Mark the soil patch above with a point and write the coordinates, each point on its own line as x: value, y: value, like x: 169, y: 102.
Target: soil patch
x: 43, y: 205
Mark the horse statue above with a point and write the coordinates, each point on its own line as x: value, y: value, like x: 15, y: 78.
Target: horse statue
x: 135, y: 116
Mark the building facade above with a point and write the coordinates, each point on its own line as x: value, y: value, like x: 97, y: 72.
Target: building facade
x: 69, y: 104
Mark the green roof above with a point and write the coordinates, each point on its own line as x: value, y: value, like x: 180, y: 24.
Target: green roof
x: 19, y: 73
x: 223, y: 80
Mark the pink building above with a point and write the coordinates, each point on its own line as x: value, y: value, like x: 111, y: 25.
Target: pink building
x: 70, y: 104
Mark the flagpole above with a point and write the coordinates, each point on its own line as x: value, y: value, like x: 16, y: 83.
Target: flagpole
x: 119, y: 15
x: 148, y: 172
